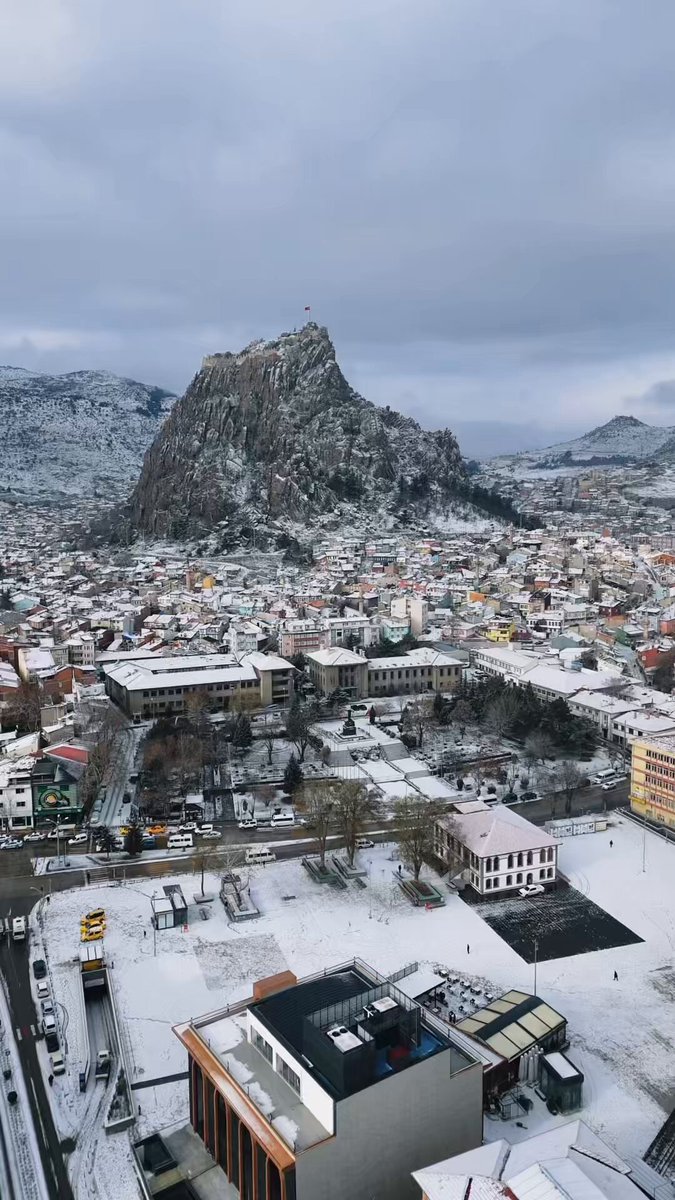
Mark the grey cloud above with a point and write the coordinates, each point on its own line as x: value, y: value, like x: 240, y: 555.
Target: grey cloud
x: 659, y: 395
x: 476, y: 192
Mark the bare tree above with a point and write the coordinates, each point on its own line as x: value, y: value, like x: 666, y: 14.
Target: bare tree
x: 538, y: 747
x: 502, y: 713
x: 223, y: 860
x: 462, y: 714
x: 268, y: 742
x: 418, y: 716
x: 187, y: 761
x: 106, y: 739
x: 320, y: 802
x: 415, y: 818
x: 23, y: 712
x: 569, y: 779
x: 353, y: 806
x: 299, y: 723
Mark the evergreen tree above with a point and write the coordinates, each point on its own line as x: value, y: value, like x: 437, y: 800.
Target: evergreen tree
x: 242, y: 734
x: 133, y: 840
x: 292, y: 775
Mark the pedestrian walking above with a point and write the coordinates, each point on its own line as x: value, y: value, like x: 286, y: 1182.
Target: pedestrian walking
x: 611, y: 843
x: 50, y: 1080
x: 616, y: 977
x: 139, y: 1110
x: 145, y: 933
x: 468, y: 948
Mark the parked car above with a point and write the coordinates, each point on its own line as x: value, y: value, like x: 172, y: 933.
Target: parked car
x: 248, y: 823
x: 92, y: 933
x: 11, y: 843
x: 42, y: 990
x: 80, y: 839
x: 35, y: 837
x: 39, y: 968
x: 188, y: 827
x: 531, y: 889
x: 529, y: 796
x: 364, y: 843
x: 47, y: 1007
x: 96, y: 914
x: 202, y: 829
x: 52, y: 1043
x: 157, y: 829
x: 49, y: 1024
x: 57, y: 1063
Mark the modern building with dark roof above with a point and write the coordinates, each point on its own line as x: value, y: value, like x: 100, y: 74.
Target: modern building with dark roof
x: 337, y: 1085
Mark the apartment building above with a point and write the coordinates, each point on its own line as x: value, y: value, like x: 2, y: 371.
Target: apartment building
x: 307, y: 1089
x: 652, y: 781
x: 496, y: 850
x: 16, y: 797
x: 150, y: 687
x: 423, y: 670
x: 299, y: 636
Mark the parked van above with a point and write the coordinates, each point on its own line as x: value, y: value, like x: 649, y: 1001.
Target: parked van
x: 283, y: 818
x: 19, y: 929
x: 180, y: 841
x: 259, y: 854
x: 607, y: 776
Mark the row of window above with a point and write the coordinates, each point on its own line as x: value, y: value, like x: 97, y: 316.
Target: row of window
x: 516, y: 860
x: 544, y: 873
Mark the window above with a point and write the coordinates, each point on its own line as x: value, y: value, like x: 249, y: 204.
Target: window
x: 510, y: 861
x: 529, y: 858
x: 262, y: 1045
x: 288, y: 1074
x: 519, y: 877
x: 509, y: 880
x: 488, y: 883
x: 520, y: 860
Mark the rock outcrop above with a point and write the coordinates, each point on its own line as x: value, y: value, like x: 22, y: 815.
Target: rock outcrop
x: 273, y: 437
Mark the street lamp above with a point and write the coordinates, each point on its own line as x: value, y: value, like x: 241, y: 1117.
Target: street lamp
x: 536, y: 949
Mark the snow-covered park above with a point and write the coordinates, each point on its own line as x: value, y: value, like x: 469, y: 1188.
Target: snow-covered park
x: 622, y: 1032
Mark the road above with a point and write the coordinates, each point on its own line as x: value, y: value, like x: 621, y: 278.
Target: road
x: 590, y: 800
x: 15, y: 967
x: 110, y: 811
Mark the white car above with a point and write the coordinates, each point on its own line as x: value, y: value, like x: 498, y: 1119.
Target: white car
x: 80, y: 839
x: 47, y: 1007
x: 210, y: 835
x: 42, y: 990
x: 609, y: 786
x: 248, y: 823
x: 531, y: 889
x: 57, y: 1063
x: 35, y: 837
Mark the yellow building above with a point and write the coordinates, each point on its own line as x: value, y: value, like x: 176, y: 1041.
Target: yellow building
x: 501, y: 631
x: 652, y: 781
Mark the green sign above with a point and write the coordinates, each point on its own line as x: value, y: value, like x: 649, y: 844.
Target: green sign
x: 53, y: 799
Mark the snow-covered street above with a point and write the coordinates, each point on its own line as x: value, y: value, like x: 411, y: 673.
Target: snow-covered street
x: 622, y: 1033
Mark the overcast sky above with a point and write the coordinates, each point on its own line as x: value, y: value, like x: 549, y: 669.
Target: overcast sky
x: 477, y: 197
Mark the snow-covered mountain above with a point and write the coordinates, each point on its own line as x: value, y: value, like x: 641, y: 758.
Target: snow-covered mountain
x: 621, y: 440
x: 274, y: 439
x: 80, y: 434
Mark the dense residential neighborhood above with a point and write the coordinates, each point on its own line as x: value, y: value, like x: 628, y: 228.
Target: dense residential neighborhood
x: 399, y: 727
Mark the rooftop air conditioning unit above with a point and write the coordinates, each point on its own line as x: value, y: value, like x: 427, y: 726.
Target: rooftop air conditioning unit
x: 336, y: 1032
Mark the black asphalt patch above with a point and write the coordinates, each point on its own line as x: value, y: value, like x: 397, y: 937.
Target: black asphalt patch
x: 563, y: 923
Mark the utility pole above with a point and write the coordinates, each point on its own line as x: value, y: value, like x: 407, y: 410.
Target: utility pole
x: 536, y: 949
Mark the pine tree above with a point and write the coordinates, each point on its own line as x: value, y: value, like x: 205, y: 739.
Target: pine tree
x: 242, y: 734
x: 133, y: 841
x: 292, y: 775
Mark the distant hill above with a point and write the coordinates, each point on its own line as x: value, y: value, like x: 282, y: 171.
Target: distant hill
x: 77, y: 434
x: 621, y: 440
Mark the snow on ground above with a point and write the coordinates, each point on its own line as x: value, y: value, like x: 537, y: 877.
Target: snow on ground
x: 621, y: 1033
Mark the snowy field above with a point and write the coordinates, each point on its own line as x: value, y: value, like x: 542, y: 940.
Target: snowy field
x: 622, y: 1033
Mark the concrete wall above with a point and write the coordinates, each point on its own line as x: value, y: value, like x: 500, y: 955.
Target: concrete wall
x: 398, y: 1125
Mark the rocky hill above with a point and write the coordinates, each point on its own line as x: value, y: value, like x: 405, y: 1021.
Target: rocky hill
x: 81, y: 434
x: 621, y: 440
x: 275, y: 438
